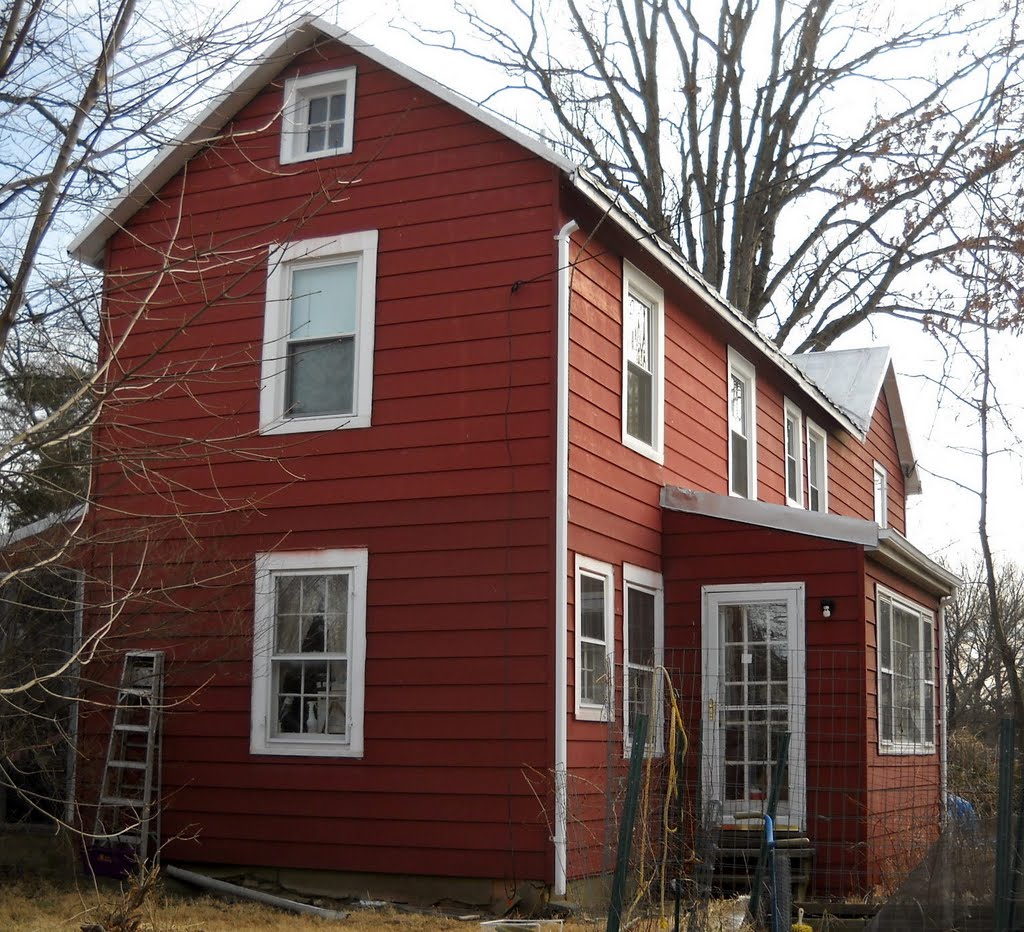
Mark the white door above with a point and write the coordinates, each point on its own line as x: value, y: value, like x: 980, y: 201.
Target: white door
x: 753, y: 692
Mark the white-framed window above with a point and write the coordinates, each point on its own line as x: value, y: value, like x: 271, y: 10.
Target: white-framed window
x: 595, y: 639
x: 817, y: 468
x: 906, y: 675
x: 643, y: 364
x: 742, y: 399
x: 793, y: 432
x: 881, y: 495
x: 309, y: 653
x: 318, y: 334
x: 317, y: 115
x: 643, y: 640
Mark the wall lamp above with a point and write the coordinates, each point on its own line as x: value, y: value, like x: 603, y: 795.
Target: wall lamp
x: 828, y: 606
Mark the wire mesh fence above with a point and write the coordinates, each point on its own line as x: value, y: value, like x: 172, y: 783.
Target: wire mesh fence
x: 874, y: 822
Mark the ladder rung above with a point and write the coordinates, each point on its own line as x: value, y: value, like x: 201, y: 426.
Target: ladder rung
x: 125, y: 726
x: 128, y: 764
x: 129, y: 838
x: 135, y: 691
x: 121, y: 801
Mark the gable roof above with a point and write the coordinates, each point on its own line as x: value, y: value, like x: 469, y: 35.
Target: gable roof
x: 852, y: 379
x: 306, y: 32
x: 88, y: 246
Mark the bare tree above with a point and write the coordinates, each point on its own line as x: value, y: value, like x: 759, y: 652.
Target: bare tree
x: 817, y: 162
x: 87, y: 94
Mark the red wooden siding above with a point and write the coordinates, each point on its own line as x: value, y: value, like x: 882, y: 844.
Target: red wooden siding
x: 851, y: 470
x: 904, y: 796
x: 450, y: 490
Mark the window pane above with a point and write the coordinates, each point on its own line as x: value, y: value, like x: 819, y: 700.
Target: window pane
x: 885, y: 706
x: 640, y: 606
x: 740, y: 481
x: 317, y: 110
x: 324, y: 301
x: 638, y: 333
x: 885, y: 634
x: 639, y: 404
x: 641, y: 684
x: 592, y: 673
x: 738, y: 405
x: 592, y: 608
x: 337, y: 107
x: 320, y: 377
x: 316, y: 139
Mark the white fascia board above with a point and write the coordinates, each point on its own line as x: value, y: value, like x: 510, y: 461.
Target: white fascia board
x: 908, y: 462
x: 88, y: 246
x: 674, y: 264
x: 898, y: 553
x: 775, y: 517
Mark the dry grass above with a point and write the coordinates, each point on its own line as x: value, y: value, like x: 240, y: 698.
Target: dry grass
x: 27, y: 906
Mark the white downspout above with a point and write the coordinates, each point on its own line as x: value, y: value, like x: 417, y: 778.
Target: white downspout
x: 944, y: 693
x: 561, y: 543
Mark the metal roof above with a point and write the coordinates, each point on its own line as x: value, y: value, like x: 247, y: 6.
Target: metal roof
x: 852, y: 379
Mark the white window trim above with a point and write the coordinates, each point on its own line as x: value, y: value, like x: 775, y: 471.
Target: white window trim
x: 739, y: 366
x: 634, y: 281
x: 813, y: 430
x: 360, y: 247
x: 307, y: 561
x: 926, y: 619
x: 297, y: 92
x: 585, y: 710
x: 790, y: 412
x: 879, y: 475
x: 636, y: 577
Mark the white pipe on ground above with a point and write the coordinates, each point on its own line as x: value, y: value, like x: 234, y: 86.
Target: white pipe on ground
x: 232, y: 889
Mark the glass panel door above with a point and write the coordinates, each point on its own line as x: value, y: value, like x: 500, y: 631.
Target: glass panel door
x: 753, y: 695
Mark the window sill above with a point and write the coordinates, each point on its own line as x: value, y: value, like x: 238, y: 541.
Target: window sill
x: 305, y: 425
x: 305, y: 749
x: 906, y: 750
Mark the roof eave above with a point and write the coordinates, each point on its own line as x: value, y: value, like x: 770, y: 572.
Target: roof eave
x: 908, y: 462
x: 766, y: 515
x: 690, y: 278
x: 897, y: 553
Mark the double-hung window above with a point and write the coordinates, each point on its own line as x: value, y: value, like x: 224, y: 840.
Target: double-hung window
x: 741, y: 387
x: 595, y: 639
x: 793, y: 429
x: 309, y: 648
x: 317, y: 116
x: 643, y: 364
x: 318, y: 334
x: 817, y: 468
x: 643, y: 638
x: 881, y: 495
x: 906, y: 675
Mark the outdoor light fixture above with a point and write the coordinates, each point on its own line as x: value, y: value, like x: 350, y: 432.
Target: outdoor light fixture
x: 828, y: 606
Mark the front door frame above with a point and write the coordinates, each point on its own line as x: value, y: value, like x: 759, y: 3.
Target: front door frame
x: 712, y: 761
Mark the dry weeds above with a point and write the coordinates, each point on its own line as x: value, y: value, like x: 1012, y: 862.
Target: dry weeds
x: 27, y: 906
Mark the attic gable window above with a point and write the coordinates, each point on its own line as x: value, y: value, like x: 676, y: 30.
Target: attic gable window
x: 742, y: 402
x: 318, y: 115
x: 318, y: 334
x: 643, y: 364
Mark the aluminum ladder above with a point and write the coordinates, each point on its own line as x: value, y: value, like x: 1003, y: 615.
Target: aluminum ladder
x: 128, y: 814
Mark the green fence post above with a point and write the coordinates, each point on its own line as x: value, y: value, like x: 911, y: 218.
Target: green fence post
x: 636, y: 759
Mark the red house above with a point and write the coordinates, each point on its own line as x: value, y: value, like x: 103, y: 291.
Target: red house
x: 424, y: 464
